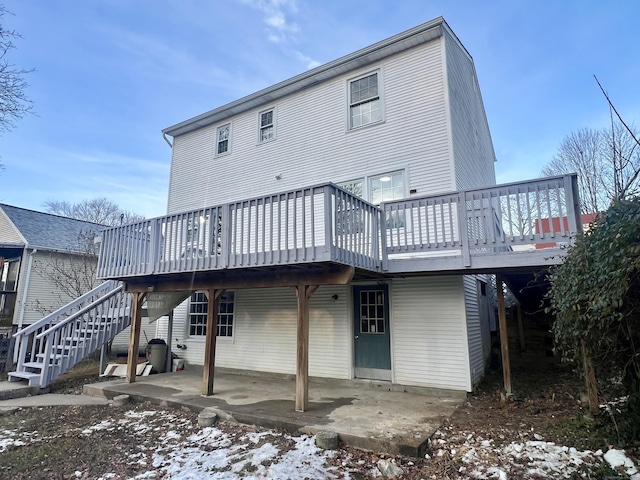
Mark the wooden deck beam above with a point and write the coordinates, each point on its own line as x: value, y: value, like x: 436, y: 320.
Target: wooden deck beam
x: 213, y: 298
x: 303, y: 292
x: 134, y: 338
x: 292, y: 276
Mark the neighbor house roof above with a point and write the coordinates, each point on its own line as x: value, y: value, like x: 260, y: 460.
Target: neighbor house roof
x: 373, y: 53
x: 47, y: 231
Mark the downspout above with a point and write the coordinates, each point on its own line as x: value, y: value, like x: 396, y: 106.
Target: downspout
x: 166, y: 139
x: 24, y: 298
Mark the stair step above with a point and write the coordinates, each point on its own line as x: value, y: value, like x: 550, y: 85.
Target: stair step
x: 53, y: 356
x: 22, y: 375
x: 33, y: 365
x: 33, y: 379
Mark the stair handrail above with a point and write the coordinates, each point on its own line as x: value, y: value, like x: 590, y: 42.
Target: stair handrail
x: 51, y: 335
x: 49, y: 319
x: 80, y: 312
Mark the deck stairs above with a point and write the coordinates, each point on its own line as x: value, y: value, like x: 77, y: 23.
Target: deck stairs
x: 57, y: 342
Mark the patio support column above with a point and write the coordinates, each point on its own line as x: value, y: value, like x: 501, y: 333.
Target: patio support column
x: 134, y: 338
x: 504, y: 337
x: 303, y: 292
x: 169, y: 364
x: 213, y: 297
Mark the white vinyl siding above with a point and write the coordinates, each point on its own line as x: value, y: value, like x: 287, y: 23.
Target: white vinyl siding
x: 265, y: 333
x: 8, y: 232
x: 471, y: 141
x: 319, y: 149
x: 429, y: 333
x: 474, y: 328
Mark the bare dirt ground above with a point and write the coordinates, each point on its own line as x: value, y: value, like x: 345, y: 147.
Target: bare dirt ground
x: 486, y: 438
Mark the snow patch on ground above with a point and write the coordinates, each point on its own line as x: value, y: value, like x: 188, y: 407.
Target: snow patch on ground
x: 482, y: 459
x: 619, y: 461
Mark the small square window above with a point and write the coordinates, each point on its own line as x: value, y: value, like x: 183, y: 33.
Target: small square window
x: 223, y: 135
x: 267, y: 126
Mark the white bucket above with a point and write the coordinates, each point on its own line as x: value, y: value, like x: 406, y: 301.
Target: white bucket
x: 177, y: 365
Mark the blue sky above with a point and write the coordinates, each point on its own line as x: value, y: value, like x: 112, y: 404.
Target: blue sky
x: 110, y: 74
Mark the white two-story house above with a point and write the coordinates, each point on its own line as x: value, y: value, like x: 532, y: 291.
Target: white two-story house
x: 400, y: 119
x: 340, y: 224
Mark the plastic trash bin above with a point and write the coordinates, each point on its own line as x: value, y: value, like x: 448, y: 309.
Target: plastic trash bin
x: 157, y: 355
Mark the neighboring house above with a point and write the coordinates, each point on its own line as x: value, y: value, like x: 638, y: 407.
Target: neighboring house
x: 36, y: 249
x: 399, y: 119
x: 546, y: 226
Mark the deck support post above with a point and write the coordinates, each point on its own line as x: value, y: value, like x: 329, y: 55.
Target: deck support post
x: 103, y: 357
x: 213, y: 298
x: 303, y: 292
x: 134, y: 338
x: 504, y: 337
x: 169, y: 364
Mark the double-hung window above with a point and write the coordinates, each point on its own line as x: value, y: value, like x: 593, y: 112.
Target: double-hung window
x: 365, y: 103
x: 223, y: 134
x: 267, y: 126
x: 198, y: 307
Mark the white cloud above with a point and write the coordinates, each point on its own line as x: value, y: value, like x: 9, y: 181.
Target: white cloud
x: 275, y: 16
x: 311, y: 63
x: 280, y: 28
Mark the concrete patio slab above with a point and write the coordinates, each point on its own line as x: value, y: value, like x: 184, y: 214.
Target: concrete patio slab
x: 366, y: 415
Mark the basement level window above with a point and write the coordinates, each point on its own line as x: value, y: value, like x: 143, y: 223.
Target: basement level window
x: 198, y: 307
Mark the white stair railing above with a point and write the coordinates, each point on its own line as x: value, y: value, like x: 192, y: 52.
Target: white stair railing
x: 57, y: 342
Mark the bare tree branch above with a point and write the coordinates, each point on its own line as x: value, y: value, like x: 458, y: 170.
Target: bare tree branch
x: 98, y: 210
x: 14, y: 103
x: 623, y: 191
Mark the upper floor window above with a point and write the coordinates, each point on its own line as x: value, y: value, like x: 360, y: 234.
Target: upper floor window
x: 267, y: 128
x: 365, y: 103
x: 198, y: 307
x: 223, y: 134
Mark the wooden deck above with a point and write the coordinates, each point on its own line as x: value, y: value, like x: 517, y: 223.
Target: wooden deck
x: 482, y: 230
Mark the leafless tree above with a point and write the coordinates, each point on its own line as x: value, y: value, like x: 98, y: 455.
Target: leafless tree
x: 583, y: 152
x: 607, y: 161
x: 98, y: 210
x: 71, y: 273
x: 14, y: 103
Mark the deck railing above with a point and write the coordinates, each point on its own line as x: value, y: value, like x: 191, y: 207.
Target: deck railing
x: 504, y: 218
x: 321, y: 223
x: 327, y: 223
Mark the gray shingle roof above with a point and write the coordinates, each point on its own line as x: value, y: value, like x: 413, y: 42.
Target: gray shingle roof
x: 48, y: 231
